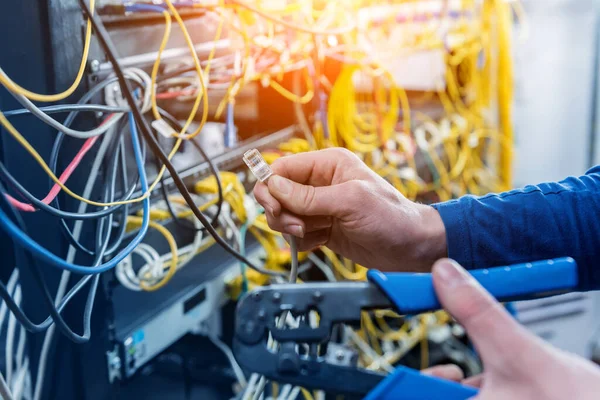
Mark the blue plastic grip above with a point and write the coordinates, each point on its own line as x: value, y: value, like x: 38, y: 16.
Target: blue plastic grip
x: 413, y: 293
x: 409, y: 384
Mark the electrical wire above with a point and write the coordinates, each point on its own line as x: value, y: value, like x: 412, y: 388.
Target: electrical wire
x: 155, y: 147
x: 237, y: 370
x: 64, y: 108
x: 42, y: 254
x: 4, y: 390
x: 25, y: 102
x: 102, y: 243
x: 87, y: 145
x: 213, y: 168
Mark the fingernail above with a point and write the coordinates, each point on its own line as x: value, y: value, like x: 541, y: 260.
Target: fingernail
x: 295, y: 230
x: 451, y: 273
x: 282, y: 185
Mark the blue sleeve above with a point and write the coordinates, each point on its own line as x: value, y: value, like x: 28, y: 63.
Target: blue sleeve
x: 534, y: 223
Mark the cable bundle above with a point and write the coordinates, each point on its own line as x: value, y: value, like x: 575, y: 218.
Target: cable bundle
x: 455, y: 149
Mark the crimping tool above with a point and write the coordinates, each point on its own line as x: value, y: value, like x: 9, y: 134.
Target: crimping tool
x: 342, y: 303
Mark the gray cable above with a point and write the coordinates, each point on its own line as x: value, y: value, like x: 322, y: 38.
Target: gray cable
x: 4, y: 390
x: 293, y: 278
x: 64, y: 279
x: 100, y: 130
x: 35, y: 110
x: 62, y: 108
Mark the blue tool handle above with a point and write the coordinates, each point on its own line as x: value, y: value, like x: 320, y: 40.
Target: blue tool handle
x: 413, y: 293
x: 409, y: 384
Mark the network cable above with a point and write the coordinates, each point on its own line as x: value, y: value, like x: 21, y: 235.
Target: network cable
x: 41, y: 253
x: 155, y: 147
x: 213, y: 168
x: 67, y: 108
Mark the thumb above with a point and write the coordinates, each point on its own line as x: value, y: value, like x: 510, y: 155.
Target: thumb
x: 494, y: 332
x: 305, y: 199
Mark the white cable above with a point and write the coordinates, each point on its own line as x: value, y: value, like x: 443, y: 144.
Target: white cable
x: 239, y: 374
x: 326, y: 269
x: 294, y: 394
x: 10, y: 338
x: 138, y: 75
x: 66, y: 275
x: 10, y: 287
x: 27, y: 391
x: 21, y: 351
x: 251, y: 386
x: 5, y: 393
x: 285, y: 392
x: 154, y: 262
x: 365, y: 348
x: 293, y: 278
x: 19, y: 385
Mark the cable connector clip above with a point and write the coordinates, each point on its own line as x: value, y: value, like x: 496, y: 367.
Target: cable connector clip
x: 257, y: 164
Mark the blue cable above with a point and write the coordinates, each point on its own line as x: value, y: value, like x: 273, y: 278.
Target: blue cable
x: 157, y: 7
x: 39, y: 252
x: 145, y: 7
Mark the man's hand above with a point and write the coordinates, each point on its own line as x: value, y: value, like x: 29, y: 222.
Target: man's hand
x: 517, y: 364
x: 330, y: 197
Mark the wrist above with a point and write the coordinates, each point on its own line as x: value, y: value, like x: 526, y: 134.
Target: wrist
x: 429, y: 243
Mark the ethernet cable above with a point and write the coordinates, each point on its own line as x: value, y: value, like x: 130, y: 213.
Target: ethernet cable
x: 5, y: 393
x: 25, y: 102
x: 67, y: 108
x: 19, y: 137
x: 87, y: 145
x: 42, y: 254
x: 108, y: 46
x: 262, y: 171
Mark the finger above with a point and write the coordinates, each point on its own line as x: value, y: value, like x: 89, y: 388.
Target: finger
x: 289, y: 223
x: 493, y: 331
x: 316, y: 168
x: 313, y: 240
x: 265, y: 199
x: 474, y: 381
x: 312, y: 200
x: 450, y: 372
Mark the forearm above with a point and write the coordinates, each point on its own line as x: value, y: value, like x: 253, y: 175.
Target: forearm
x: 534, y: 223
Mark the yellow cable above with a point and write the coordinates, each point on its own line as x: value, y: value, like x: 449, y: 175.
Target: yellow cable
x: 15, y: 88
x: 203, y: 93
x: 173, y: 247
x: 306, y: 394
x: 156, y: 66
x: 15, y: 134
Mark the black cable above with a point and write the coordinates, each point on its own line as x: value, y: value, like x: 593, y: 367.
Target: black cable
x: 146, y: 132
x: 176, y: 73
x: 182, y: 222
x: 63, y: 108
x: 112, y: 187
x: 54, y: 311
x: 37, y: 203
x: 103, y: 233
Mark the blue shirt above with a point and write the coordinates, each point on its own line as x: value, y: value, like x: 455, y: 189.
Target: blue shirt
x: 534, y: 223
